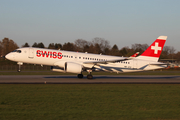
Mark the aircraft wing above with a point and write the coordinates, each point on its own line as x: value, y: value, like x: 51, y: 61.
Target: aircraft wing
x: 107, y: 61
x: 112, y: 61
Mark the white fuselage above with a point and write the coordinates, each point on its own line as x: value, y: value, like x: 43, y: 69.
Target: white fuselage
x: 59, y: 58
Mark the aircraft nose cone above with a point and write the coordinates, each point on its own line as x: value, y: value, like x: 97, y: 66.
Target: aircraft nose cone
x: 9, y: 56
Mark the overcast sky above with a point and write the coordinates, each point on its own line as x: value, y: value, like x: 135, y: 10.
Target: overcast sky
x: 122, y: 22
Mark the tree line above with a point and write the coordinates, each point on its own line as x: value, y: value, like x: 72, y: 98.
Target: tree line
x: 97, y: 46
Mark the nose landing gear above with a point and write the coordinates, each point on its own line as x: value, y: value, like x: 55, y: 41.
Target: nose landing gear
x: 19, y: 69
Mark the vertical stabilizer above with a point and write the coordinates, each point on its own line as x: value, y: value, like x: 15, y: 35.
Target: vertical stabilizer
x: 153, y: 52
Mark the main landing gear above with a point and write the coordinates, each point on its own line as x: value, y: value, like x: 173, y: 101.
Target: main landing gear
x: 89, y: 76
x: 80, y: 75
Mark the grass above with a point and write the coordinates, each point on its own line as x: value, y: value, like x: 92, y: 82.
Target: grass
x: 90, y: 101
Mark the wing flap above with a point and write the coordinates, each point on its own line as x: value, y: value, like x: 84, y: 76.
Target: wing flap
x: 158, y: 63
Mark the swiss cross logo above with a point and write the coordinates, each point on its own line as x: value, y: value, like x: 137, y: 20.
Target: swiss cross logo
x: 156, y: 48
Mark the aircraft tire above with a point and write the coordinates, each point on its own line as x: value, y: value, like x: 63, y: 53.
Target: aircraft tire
x: 80, y: 75
x: 89, y: 76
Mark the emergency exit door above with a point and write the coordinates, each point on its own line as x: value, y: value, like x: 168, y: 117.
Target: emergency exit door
x: 31, y: 53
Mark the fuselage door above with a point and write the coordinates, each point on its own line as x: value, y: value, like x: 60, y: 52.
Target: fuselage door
x: 31, y: 53
x: 135, y: 64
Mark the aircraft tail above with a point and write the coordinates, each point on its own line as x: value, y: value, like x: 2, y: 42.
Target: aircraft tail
x: 134, y: 55
x: 153, y: 52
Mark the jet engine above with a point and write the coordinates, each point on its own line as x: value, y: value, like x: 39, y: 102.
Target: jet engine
x: 73, y: 67
x: 57, y: 69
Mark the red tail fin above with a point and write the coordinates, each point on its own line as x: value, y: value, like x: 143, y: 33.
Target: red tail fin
x: 135, y: 55
x: 153, y: 52
x: 155, y: 49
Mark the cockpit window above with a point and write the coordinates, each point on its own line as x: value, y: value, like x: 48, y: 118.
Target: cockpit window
x: 18, y: 51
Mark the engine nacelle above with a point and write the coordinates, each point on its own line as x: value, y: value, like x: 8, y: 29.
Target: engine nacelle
x: 57, y: 69
x: 73, y: 67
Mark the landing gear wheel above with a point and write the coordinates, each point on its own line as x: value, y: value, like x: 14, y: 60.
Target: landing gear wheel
x: 89, y: 76
x: 80, y: 75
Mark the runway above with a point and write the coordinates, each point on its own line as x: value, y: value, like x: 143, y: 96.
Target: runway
x: 98, y: 79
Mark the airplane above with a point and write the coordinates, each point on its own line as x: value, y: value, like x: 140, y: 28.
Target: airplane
x: 134, y: 55
x: 78, y: 62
